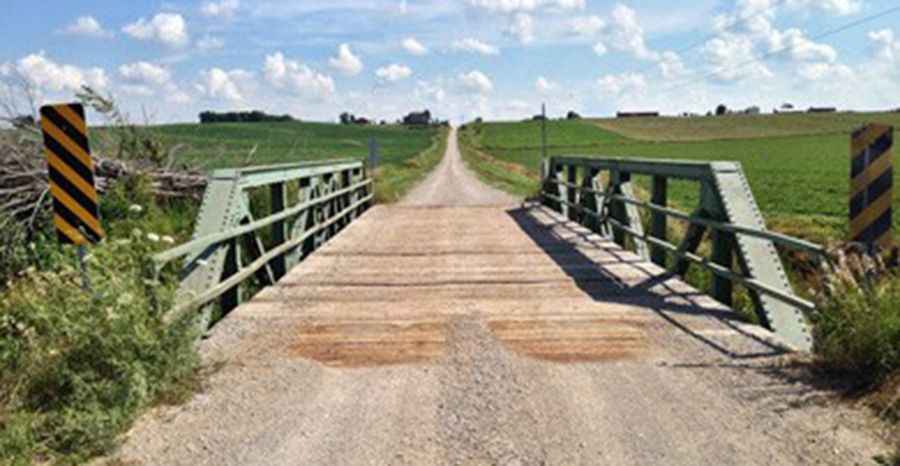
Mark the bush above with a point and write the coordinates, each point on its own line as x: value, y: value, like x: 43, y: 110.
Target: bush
x: 858, y: 329
x: 76, y: 368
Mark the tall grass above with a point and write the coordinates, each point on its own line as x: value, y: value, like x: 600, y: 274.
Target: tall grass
x: 77, y: 367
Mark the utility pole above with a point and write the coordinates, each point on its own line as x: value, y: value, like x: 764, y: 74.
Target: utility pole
x: 543, y: 131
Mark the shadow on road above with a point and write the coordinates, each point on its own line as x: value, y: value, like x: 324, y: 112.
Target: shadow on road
x: 656, y: 291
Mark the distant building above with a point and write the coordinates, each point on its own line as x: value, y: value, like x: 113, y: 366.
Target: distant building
x: 418, y: 118
x: 754, y: 110
x: 636, y: 114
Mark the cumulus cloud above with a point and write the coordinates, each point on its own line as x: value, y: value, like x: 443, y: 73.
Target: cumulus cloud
x: 522, y: 28
x: 476, y: 81
x: 49, y: 75
x: 167, y: 28
x: 393, y: 72
x: 87, y: 26
x: 829, y: 71
x: 799, y: 48
x: 217, y: 83
x: 144, y: 72
x: 475, y: 46
x: 627, y: 35
x: 511, y: 6
x: 732, y: 59
x: 346, y: 62
x: 600, y: 49
x: 414, y: 47
x: 616, y: 85
x: 210, y: 43
x: 221, y: 9
x: 286, y: 73
x: 888, y: 47
x: 587, y: 25
x: 544, y: 85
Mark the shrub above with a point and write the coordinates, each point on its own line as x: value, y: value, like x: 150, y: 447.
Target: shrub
x: 857, y: 327
x: 77, y: 367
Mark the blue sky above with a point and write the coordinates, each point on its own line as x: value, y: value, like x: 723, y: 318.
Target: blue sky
x: 498, y: 59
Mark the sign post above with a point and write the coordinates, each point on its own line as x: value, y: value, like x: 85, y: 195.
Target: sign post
x: 76, y: 215
x: 871, y: 186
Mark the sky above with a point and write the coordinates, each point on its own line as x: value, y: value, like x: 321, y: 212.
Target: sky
x: 498, y: 59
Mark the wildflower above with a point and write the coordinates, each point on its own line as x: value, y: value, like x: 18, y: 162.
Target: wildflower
x: 135, y: 208
x: 137, y: 233
x: 88, y: 258
x: 153, y: 237
x: 168, y: 239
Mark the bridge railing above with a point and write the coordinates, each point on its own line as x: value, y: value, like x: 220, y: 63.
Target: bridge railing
x: 742, y: 250
x: 257, y: 223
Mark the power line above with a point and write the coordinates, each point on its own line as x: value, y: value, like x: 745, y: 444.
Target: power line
x: 703, y: 41
x: 772, y: 53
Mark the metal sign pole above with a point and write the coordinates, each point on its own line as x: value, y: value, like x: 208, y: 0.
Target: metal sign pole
x: 82, y: 266
x: 543, y: 131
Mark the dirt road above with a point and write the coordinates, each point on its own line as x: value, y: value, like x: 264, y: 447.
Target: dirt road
x: 459, y: 328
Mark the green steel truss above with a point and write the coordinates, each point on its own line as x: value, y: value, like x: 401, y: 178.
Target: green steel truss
x: 256, y: 223
x: 742, y: 251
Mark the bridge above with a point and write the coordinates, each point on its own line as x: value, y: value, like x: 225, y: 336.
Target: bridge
x: 463, y: 326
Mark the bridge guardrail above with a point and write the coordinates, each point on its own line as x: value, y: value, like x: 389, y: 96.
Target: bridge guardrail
x: 307, y: 203
x: 728, y: 211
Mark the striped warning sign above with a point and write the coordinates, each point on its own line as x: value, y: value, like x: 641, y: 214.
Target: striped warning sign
x: 71, y: 170
x: 871, y: 185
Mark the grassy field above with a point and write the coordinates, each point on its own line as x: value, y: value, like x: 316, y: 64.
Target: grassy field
x: 741, y: 126
x: 229, y: 144
x: 800, y: 181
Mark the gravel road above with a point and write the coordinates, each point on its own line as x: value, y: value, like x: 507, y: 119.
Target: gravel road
x: 461, y: 328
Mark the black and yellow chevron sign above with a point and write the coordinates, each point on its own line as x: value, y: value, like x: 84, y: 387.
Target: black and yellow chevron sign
x: 871, y: 185
x: 75, y: 212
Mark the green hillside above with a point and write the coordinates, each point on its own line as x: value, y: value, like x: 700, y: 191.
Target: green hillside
x: 228, y: 144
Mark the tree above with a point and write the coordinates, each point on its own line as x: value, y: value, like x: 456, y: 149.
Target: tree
x: 721, y: 110
x: 347, y: 118
x: 572, y: 115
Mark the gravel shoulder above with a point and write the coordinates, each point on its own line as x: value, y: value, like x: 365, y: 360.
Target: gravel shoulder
x: 461, y: 328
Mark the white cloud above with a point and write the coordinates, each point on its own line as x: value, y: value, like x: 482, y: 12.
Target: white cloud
x: 616, y: 85
x: 587, y: 25
x: 221, y: 9
x: 282, y: 72
x: 600, y: 49
x: 147, y: 73
x: 394, y: 72
x: 476, y: 46
x: 627, y: 35
x: 87, y: 26
x: 522, y: 28
x: 49, y: 75
x: 511, y: 6
x: 671, y: 65
x: 346, y: 62
x: 799, y: 48
x: 477, y: 81
x: 829, y: 71
x: 414, y: 47
x: 732, y: 59
x: 167, y: 28
x: 888, y: 45
x: 210, y: 43
x: 544, y: 85
x: 217, y: 83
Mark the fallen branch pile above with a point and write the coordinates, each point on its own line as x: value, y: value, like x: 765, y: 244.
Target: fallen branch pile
x: 24, y: 186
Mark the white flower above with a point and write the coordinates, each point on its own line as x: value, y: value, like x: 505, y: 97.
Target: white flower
x: 137, y: 233
x: 153, y: 237
x: 88, y: 258
x: 168, y: 239
x: 135, y: 208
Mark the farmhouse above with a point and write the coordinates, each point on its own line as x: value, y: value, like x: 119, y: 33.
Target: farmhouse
x: 418, y: 118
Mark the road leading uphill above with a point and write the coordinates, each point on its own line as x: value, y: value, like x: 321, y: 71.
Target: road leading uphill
x: 461, y: 328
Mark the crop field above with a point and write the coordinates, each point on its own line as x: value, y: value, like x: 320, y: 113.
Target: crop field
x: 800, y: 180
x: 221, y: 145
